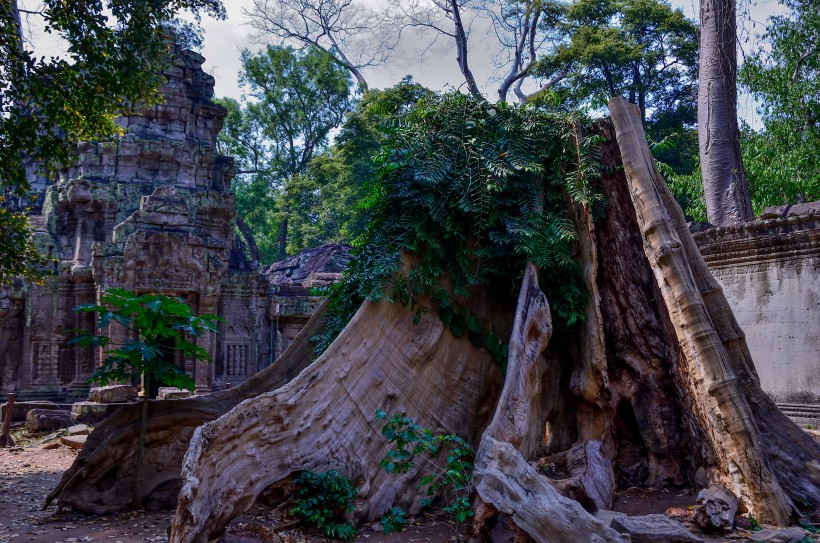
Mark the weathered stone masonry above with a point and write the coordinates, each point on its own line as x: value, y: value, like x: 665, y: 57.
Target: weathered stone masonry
x: 770, y: 272
x: 151, y: 212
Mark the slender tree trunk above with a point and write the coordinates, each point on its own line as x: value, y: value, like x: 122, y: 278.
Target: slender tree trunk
x: 461, y: 48
x: 247, y: 234
x: 283, y: 239
x: 139, y: 468
x: 724, y: 181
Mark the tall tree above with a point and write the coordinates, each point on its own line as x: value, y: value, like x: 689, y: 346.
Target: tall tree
x: 347, y: 31
x: 298, y: 98
x: 113, y: 60
x: 641, y: 50
x: 724, y: 180
x: 444, y: 17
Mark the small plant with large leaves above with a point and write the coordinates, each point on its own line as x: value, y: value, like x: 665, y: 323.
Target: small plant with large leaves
x: 324, y: 500
x: 157, y: 326
x: 446, y: 459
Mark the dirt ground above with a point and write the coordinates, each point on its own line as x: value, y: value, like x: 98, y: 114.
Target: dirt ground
x: 28, y: 473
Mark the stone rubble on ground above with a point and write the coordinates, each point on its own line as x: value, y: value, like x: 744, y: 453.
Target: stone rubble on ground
x: 173, y: 393
x: 112, y: 394
x: 716, y: 509
x: 653, y: 529
x: 786, y: 535
x: 43, y: 420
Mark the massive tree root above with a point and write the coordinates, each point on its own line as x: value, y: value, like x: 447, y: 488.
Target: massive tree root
x: 101, y: 479
x: 656, y: 388
x: 721, y: 378
x: 323, y: 419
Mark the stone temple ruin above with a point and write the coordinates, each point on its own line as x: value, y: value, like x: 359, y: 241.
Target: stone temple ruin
x: 152, y: 212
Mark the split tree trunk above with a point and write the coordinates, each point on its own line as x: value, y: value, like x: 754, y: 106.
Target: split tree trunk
x: 102, y: 478
x: 503, y: 477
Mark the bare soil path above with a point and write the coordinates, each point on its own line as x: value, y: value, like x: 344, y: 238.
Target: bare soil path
x: 28, y: 473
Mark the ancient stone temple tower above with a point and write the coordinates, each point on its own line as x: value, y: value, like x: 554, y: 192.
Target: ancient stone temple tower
x: 152, y: 212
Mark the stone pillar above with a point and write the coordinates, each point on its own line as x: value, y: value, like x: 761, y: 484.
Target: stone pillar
x: 203, y: 372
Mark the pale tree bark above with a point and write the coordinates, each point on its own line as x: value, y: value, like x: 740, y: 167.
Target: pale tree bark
x: 724, y: 181
x: 715, y: 391
x: 102, y: 478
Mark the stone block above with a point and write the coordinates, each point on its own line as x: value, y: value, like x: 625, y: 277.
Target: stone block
x: 43, y: 420
x: 715, y: 509
x: 112, y: 394
x: 21, y: 409
x: 75, y: 442
x: 172, y: 393
x: 654, y: 529
x: 77, y: 430
x: 93, y: 412
x: 787, y: 535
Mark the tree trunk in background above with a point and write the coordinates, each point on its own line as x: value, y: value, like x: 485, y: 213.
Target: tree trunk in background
x: 724, y: 181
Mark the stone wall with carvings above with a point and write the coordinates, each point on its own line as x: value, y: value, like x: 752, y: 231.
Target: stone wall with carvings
x: 770, y: 272
x: 151, y: 212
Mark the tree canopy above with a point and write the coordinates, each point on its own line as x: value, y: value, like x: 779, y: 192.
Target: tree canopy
x: 783, y: 160
x: 295, y: 99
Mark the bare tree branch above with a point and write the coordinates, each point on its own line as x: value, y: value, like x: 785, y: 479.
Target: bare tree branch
x: 350, y: 33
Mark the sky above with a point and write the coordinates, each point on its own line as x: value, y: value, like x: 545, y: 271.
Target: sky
x: 436, y: 69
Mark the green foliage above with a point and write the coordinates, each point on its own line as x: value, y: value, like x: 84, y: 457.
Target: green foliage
x: 297, y: 98
x: 393, y: 520
x: 115, y: 51
x: 466, y: 193
x: 335, y: 181
x: 159, y: 326
x: 782, y: 161
x: 324, y: 500
x: 19, y: 255
x: 642, y: 50
x: 415, y: 447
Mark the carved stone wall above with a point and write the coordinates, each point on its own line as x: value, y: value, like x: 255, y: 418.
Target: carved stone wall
x: 152, y: 212
x: 770, y: 272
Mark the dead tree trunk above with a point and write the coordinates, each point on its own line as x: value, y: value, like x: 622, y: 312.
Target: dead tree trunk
x: 656, y: 388
x: 102, y: 478
x: 323, y: 419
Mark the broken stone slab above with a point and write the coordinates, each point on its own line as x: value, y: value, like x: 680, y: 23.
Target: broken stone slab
x: 51, y: 445
x: 78, y: 430
x: 93, y: 412
x: 75, y: 442
x: 112, y: 394
x: 786, y: 535
x: 42, y: 420
x: 715, y: 509
x: 653, y: 529
x: 173, y: 393
x: 21, y: 409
